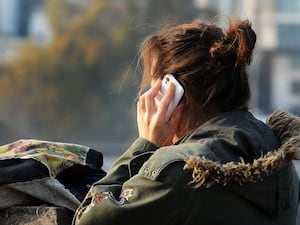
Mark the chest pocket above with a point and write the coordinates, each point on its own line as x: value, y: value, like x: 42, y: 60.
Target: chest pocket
x: 161, y: 159
x: 164, y: 157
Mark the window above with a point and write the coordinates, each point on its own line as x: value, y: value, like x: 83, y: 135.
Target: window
x: 288, y: 6
x: 288, y: 36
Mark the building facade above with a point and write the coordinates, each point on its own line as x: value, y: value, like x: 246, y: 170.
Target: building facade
x: 21, y: 21
x: 275, y: 72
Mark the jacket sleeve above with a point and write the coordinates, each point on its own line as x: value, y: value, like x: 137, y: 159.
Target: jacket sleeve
x: 136, y: 190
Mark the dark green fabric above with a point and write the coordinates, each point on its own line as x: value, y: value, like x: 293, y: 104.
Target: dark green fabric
x: 148, y: 185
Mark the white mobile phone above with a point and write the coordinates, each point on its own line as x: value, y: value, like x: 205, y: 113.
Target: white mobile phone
x: 179, y: 91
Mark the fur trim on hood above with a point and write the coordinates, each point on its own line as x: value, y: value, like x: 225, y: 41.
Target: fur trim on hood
x: 286, y: 128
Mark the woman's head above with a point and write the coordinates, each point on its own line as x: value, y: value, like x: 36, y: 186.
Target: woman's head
x: 211, y: 64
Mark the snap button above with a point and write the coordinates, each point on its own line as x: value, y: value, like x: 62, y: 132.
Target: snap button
x: 153, y: 173
x: 146, y: 170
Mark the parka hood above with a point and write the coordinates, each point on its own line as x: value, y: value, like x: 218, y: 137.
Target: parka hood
x: 286, y: 128
x: 269, y: 182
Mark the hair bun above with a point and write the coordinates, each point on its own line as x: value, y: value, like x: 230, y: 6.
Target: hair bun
x: 237, y: 45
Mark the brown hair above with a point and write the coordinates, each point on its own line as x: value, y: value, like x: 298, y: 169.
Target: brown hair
x: 210, y: 64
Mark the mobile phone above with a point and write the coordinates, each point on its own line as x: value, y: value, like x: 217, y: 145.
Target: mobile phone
x: 179, y: 91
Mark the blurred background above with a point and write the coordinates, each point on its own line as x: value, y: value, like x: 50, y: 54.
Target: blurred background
x: 68, y: 68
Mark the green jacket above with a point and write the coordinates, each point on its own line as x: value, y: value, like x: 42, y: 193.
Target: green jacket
x: 224, y: 172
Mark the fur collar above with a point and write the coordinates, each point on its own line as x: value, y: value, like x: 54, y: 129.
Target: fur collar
x: 287, y: 129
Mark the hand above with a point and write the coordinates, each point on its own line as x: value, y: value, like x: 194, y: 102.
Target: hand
x: 152, y: 122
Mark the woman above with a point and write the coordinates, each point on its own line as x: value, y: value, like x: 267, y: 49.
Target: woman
x: 212, y: 162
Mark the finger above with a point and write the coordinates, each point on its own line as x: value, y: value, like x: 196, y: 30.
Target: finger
x: 156, y: 86
x: 167, y: 99
x: 154, y: 90
x: 141, y: 106
x: 150, y: 97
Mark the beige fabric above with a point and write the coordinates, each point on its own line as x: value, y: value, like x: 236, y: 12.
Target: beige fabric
x: 48, y: 190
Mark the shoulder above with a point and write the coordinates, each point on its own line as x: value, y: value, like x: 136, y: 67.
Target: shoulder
x: 172, y: 159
